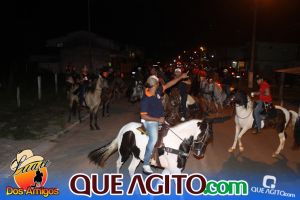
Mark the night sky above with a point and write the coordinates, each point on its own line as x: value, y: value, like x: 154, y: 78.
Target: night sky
x: 161, y: 27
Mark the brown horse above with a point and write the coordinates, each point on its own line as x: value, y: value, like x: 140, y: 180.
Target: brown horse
x: 196, y: 107
x: 171, y: 105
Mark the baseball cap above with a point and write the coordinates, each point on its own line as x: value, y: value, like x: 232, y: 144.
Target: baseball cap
x: 177, y: 70
x: 257, y: 77
x: 152, y: 80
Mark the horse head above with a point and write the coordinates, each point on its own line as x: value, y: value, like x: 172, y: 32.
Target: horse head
x: 174, y: 97
x: 203, y: 138
x: 137, y: 91
x: 239, y: 98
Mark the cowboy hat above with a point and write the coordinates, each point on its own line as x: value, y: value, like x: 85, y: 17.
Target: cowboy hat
x: 24, y: 157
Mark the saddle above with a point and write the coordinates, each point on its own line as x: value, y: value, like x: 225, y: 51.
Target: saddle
x: 269, y: 112
x: 159, y: 146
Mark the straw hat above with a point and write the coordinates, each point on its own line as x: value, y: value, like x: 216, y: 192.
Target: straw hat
x: 24, y: 157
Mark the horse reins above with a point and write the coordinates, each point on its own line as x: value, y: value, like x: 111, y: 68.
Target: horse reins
x: 171, y: 150
x: 173, y: 131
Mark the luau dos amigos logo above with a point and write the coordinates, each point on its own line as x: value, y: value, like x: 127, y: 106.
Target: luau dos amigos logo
x: 30, y: 174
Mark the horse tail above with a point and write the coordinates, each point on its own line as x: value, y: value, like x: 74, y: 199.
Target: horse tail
x: 100, y: 155
x: 296, y: 126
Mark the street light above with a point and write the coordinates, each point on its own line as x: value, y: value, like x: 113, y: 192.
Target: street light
x: 252, y: 61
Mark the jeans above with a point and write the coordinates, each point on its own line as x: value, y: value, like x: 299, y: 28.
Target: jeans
x: 257, y: 116
x: 227, y: 90
x: 183, y: 105
x: 152, y: 130
x: 81, y: 94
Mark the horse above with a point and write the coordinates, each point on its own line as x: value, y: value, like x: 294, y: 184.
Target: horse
x: 213, y: 92
x: 196, y: 109
x: 137, y: 92
x: 73, y: 101
x: 119, y: 87
x: 244, y: 120
x: 106, y: 97
x: 92, y: 99
x: 171, y: 103
x: 296, y: 126
x: 219, y: 95
x: 180, y: 140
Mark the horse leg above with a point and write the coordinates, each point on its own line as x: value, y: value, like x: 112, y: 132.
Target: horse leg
x: 107, y: 108
x: 240, y: 138
x: 91, y: 120
x: 95, y: 113
x: 237, y: 131
x: 281, y: 144
x: 103, y: 109
x: 70, y: 113
x: 133, y: 165
x: 119, y: 163
x: 79, y: 114
x: 216, y: 106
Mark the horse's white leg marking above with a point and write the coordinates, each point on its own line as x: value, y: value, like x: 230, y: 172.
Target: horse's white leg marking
x: 119, y: 163
x: 243, y: 131
x: 133, y: 165
x: 172, y: 164
x: 281, y: 144
x: 237, y: 131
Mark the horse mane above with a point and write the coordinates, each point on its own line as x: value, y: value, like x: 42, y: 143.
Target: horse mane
x: 243, y: 98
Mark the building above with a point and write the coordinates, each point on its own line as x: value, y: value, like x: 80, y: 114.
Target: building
x: 81, y: 48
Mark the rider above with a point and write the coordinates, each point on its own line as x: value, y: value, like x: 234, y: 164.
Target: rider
x: 226, y: 81
x: 182, y: 86
x: 84, y: 82
x: 265, y: 97
x: 152, y: 113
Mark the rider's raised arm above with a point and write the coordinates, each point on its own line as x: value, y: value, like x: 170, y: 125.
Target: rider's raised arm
x: 174, y: 81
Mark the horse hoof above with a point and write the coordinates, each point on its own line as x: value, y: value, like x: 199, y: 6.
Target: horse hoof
x: 230, y: 150
x: 97, y: 128
x: 92, y: 128
x: 241, y: 149
x: 275, y: 155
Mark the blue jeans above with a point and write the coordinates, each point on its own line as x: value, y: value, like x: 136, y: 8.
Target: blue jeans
x: 152, y: 130
x: 258, y: 109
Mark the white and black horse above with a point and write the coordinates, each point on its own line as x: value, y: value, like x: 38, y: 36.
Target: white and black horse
x: 137, y: 92
x: 296, y: 126
x: 180, y: 140
x: 244, y: 120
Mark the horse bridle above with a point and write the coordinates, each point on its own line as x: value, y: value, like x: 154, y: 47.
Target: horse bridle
x: 200, y: 140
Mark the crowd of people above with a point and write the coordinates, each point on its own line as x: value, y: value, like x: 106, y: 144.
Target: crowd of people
x: 158, y: 80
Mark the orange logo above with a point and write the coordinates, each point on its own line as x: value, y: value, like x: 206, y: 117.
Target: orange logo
x: 29, y: 171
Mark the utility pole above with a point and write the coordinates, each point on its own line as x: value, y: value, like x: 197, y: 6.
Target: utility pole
x: 252, y: 61
x: 89, y: 30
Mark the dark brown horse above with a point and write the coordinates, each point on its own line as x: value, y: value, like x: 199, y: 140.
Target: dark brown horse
x: 196, y: 107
